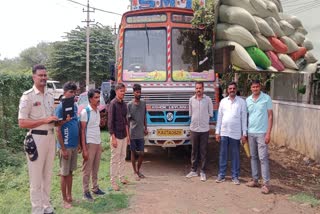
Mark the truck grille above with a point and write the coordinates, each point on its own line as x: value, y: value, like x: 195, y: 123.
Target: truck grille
x: 167, y: 108
x: 181, y: 98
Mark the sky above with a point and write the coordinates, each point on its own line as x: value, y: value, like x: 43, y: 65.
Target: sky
x: 25, y: 23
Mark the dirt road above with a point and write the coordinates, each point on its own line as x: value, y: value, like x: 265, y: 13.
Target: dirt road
x: 166, y: 190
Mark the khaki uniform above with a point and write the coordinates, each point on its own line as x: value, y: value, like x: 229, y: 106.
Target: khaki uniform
x: 34, y: 106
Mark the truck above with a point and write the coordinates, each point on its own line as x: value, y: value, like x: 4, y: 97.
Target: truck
x: 158, y: 48
x: 55, y: 88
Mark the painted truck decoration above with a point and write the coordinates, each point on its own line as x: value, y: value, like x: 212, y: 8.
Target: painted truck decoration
x: 265, y: 38
x: 144, y: 4
x: 158, y: 48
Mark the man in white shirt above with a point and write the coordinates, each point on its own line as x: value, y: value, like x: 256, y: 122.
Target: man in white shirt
x: 200, y: 110
x: 231, y: 127
x: 91, y: 144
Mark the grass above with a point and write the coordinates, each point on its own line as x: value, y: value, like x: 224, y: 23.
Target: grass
x: 14, y: 187
x: 305, y: 198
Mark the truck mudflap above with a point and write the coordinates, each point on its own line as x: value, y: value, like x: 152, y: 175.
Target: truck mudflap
x: 171, y: 136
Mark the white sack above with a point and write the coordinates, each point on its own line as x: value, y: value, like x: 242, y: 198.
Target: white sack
x: 293, y: 20
x: 245, y: 4
x: 239, y: 16
x: 292, y: 46
x: 263, y: 42
x: 275, y: 26
x: 278, y: 4
x: 309, y: 57
x: 264, y: 27
x: 287, y: 61
x: 298, y: 38
x: 239, y: 56
x: 265, y: 9
x: 307, y: 44
x: 302, y: 30
x: 235, y: 33
x: 286, y: 27
x: 310, y: 68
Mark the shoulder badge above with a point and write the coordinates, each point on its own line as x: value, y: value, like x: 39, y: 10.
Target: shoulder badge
x: 28, y: 92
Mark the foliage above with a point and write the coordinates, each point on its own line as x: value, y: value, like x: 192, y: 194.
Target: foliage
x: 28, y: 57
x: 11, y: 89
x: 305, y: 198
x: 36, y: 55
x: 302, y: 89
x: 244, y: 81
x: 13, y: 66
x: 14, y: 185
x: 204, y: 19
x: 68, y: 58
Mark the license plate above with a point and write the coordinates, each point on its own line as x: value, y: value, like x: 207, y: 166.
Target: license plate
x: 169, y: 132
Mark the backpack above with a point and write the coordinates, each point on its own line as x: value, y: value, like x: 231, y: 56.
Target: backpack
x: 88, y: 118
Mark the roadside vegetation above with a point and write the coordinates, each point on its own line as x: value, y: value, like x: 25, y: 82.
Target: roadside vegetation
x: 65, y: 61
x: 305, y: 198
x: 14, y: 188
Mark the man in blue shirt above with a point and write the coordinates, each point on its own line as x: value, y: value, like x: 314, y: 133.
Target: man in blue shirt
x: 68, y: 137
x: 260, y: 119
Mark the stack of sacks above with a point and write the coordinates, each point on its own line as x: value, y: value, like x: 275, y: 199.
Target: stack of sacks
x: 264, y: 38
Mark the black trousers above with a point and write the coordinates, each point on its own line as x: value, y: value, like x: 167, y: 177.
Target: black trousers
x: 199, y: 141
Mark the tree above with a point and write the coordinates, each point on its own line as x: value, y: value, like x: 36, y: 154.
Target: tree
x: 68, y: 58
x: 13, y: 66
x: 36, y: 55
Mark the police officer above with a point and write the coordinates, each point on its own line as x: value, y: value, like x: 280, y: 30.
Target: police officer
x: 36, y: 113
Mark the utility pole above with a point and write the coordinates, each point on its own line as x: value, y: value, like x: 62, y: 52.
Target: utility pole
x: 115, y: 29
x: 88, y: 11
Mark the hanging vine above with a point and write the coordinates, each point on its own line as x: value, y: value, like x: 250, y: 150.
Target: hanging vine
x: 204, y: 19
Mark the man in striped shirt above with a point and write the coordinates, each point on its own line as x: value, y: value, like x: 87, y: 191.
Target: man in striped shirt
x: 200, y: 111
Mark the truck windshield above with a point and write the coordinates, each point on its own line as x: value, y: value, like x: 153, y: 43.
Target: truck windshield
x: 144, y: 55
x: 189, y: 60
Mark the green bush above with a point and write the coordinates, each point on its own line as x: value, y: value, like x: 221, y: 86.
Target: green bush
x: 11, y: 136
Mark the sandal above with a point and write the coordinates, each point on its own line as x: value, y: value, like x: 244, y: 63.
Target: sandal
x: 141, y: 175
x: 252, y: 183
x: 265, y: 189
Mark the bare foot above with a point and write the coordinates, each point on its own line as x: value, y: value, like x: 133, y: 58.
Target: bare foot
x: 136, y: 177
x: 66, y: 205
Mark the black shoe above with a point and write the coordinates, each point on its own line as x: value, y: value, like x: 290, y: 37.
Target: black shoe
x: 99, y: 192
x: 87, y: 196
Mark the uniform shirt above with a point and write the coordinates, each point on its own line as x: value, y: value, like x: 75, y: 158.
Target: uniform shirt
x: 69, y: 130
x: 117, y: 118
x: 136, y: 116
x: 35, y: 106
x: 200, y: 112
x: 258, y: 113
x: 93, y: 126
x: 232, y: 118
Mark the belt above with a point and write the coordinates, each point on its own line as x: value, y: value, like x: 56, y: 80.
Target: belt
x: 41, y: 132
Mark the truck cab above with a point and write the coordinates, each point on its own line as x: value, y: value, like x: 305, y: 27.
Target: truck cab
x: 55, y: 88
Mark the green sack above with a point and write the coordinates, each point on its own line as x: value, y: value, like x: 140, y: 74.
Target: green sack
x: 259, y: 57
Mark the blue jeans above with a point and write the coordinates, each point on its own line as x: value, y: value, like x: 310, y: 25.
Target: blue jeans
x: 259, y: 151
x: 234, y: 145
